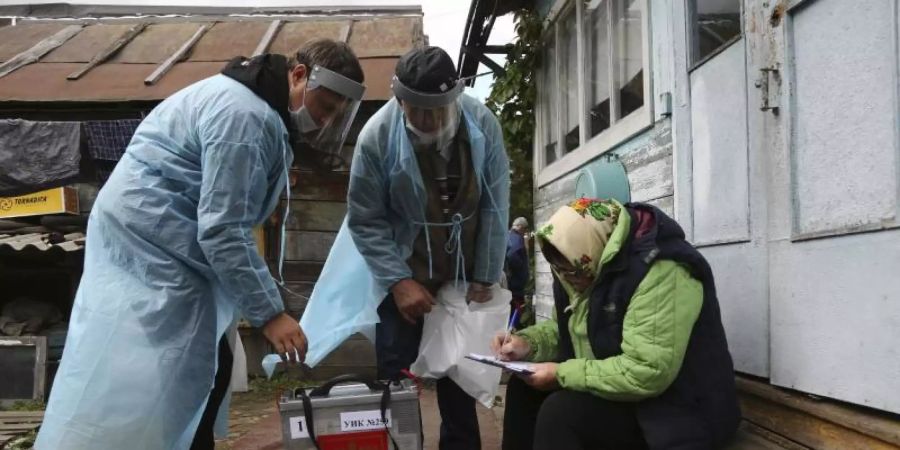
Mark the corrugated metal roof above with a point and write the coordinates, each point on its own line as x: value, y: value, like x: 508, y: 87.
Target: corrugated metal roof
x: 42, y: 242
x: 378, y: 40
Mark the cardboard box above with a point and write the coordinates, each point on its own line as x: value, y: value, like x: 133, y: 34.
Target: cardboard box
x: 62, y: 200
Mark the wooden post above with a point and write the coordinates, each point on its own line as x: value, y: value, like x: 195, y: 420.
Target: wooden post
x: 267, y: 38
x: 177, y: 56
x: 40, y: 49
x: 108, y: 51
x: 346, y: 31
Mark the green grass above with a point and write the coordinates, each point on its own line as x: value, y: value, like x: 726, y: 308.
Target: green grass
x: 25, y: 405
x: 279, y: 383
x: 23, y: 442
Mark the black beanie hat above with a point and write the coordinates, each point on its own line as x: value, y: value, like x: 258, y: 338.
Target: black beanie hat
x: 429, y: 70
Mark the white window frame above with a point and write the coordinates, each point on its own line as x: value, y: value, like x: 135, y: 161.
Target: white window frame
x: 619, y: 131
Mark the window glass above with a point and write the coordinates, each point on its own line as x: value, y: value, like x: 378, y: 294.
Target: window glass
x: 613, y: 72
x: 715, y: 23
x: 597, y: 27
x: 568, y: 81
x: 630, y: 55
x: 548, y: 101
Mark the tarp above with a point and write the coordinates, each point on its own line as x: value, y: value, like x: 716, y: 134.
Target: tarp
x: 38, y: 155
x: 106, y: 143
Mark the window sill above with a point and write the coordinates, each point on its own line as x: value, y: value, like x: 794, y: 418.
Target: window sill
x: 634, y: 123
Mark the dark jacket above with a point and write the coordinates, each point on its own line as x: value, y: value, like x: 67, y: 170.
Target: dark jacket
x: 517, y: 268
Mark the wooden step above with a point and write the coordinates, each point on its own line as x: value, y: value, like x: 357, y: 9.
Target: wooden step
x: 815, y: 423
x: 753, y: 437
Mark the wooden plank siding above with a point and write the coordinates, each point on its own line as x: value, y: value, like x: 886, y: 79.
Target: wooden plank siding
x: 299, y: 271
x: 308, y: 245
x: 309, y: 215
x: 319, y: 186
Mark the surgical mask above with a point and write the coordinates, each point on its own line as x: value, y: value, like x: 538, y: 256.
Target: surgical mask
x: 441, y: 137
x: 304, y: 121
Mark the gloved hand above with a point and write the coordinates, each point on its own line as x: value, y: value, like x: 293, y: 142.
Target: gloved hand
x: 412, y: 299
x: 479, y: 293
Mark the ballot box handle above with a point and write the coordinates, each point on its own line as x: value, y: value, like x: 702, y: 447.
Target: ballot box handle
x: 325, y: 389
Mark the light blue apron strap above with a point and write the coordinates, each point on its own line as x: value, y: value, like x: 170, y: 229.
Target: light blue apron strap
x: 454, y: 244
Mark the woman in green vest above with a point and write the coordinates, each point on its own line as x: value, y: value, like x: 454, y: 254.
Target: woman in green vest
x: 636, y: 356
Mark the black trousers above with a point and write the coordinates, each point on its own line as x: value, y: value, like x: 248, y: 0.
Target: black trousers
x: 204, y: 438
x: 567, y: 420
x: 396, y: 348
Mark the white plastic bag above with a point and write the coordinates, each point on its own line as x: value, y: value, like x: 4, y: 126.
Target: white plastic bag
x: 452, y: 330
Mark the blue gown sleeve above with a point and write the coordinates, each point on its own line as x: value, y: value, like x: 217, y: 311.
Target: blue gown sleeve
x: 367, y: 207
x: 232, y: 196
x: 494, y: 206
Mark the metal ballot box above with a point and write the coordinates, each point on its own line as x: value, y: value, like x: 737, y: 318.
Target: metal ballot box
x: 349, y: 416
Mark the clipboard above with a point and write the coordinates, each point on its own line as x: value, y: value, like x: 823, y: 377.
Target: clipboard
x: 520, y: 368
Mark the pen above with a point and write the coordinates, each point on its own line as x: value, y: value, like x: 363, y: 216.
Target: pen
x: 512, y: 324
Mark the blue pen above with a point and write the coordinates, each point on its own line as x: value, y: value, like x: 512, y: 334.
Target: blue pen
x: 512, y: 324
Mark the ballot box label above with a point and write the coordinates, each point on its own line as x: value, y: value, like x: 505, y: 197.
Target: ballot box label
x: 298, y: 428
x: 365, y: 420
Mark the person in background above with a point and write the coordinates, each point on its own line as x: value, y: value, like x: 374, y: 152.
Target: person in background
x: 428, y: 204
x: 636, y: 357
x: 171, y: 259
x: 518, y: 268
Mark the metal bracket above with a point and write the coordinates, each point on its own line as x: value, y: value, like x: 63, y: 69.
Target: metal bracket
x: 665, y: 104
x: 479, y: 54
x: 771, y: 98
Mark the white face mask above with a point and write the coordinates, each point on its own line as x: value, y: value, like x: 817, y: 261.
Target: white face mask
x: 441, y: 137
x: 303, y: 120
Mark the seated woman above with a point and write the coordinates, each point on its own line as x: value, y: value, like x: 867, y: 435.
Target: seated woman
x: 636, y: 357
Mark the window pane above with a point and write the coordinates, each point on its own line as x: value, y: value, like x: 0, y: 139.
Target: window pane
x: 568, y: 83
x: 597, y: 31
x: 548, y: 101
x: 629, y: 55
x: 715, y: 23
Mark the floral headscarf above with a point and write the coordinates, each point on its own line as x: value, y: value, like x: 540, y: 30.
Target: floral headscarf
x: 578, y: 233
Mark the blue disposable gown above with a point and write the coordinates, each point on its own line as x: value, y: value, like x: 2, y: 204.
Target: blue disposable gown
x: 170, y: 260
x: 387, y: 212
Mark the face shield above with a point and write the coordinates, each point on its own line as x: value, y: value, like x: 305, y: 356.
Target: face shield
x: 329, y: 106
x: 432, y: 119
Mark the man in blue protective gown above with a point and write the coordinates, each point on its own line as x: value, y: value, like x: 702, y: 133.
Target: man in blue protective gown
x: 428, y: 205
x: 171, y: 260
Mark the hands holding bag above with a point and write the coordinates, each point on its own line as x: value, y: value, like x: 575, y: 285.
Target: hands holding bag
x: 457, y: 327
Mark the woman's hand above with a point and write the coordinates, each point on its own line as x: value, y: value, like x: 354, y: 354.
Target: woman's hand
x: 514, y: 349
x: 543, y: 378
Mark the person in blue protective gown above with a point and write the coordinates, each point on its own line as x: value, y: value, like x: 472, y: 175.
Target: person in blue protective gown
x: 170, y: 257
x: 429, y: 204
